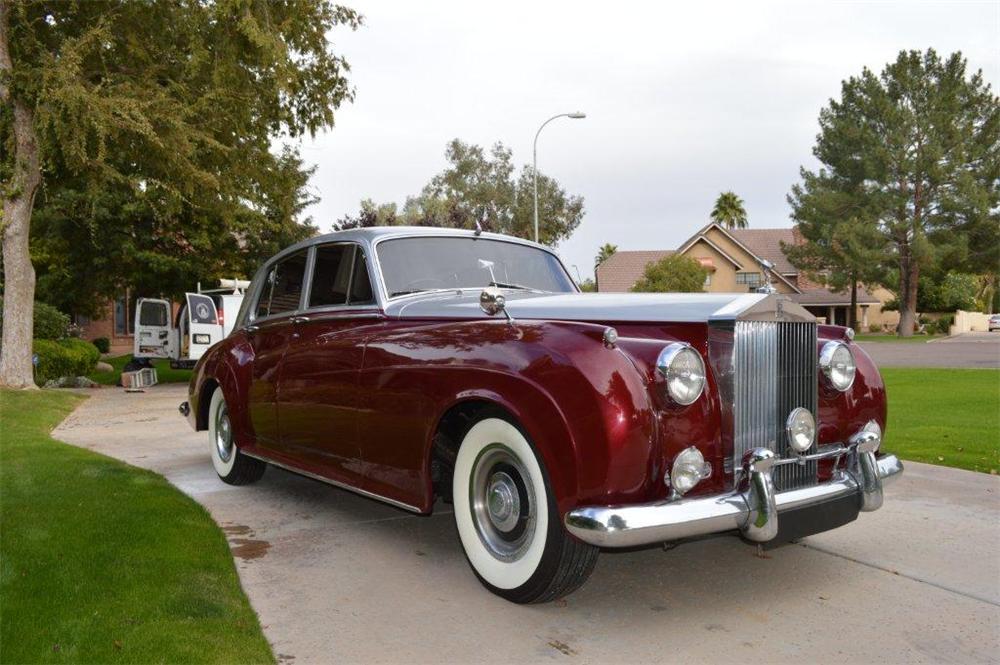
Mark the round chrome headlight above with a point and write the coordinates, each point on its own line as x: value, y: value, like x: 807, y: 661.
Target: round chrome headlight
x: 683, y: 372
x: 801, y: 429
x: 838, y: 366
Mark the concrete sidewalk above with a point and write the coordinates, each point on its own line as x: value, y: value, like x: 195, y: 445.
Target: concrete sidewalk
x: 338, y: 578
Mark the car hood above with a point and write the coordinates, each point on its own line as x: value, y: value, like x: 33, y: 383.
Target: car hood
x: 595, y: 307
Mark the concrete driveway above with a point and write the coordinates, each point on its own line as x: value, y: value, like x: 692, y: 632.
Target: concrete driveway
x: 338, y: 578
x: 975, y: 350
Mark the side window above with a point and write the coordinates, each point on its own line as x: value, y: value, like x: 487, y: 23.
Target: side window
x: 340, y: 277
x: 282, y: 288
x: 361, y: 286
x: 331, y: 276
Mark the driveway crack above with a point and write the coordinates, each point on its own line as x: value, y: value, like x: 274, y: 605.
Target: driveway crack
x: 893, y: 571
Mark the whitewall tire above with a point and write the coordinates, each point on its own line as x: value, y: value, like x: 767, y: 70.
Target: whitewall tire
x: 507, y: 518
x: 232, y: 466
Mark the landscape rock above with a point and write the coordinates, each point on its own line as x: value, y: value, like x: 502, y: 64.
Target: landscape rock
x: 102, y: 366
x: 71, y: 382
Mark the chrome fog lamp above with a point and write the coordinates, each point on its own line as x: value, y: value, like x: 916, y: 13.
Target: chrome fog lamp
x: 683, y: 371
x: 868, y: 438
x: 688, y: 470
x: 801, y: 429
x: 838, y: 366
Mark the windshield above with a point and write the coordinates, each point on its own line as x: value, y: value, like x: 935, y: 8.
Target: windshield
x: 411, y: 265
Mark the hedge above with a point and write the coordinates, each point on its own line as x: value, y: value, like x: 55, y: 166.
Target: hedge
x: 49, y: 322
x: 65, y: 357
x: 103, y: 344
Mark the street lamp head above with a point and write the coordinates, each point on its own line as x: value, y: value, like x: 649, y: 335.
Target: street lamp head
x: 577, y: 115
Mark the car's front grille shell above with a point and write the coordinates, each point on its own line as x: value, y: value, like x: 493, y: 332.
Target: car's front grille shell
x: 766, y: 370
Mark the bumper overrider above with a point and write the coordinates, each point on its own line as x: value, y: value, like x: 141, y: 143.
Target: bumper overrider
x: 754, y: 510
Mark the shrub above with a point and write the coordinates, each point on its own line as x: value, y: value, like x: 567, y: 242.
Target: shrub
x: 874, y: 328
x: 103, y: 344
x: 944, y: 323
x: 66, y: 357
x: 49, y: 322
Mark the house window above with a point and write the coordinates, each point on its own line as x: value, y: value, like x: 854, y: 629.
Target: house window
x: 708, y: 279
x: 751, y: 279
x: 124, y: 325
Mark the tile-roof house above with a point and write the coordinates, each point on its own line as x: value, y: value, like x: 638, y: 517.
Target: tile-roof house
x: 734, y: 257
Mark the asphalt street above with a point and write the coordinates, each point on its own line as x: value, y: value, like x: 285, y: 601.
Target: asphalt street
x: 976, y: 350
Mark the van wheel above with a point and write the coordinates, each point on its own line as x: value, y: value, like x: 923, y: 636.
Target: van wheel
x: 508, y: 521
x: 230, y: 463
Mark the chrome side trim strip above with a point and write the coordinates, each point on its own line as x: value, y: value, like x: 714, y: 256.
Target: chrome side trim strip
x: 335, y: 483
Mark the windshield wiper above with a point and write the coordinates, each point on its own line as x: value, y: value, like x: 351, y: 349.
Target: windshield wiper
x: 504, y: 285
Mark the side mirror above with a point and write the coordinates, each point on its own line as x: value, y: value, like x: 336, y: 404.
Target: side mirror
x: 492, y: 301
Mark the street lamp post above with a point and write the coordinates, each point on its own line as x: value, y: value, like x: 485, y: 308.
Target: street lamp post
x: 534, y: 171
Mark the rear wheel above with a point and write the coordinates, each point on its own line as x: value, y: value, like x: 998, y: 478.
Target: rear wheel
x: 230, y: 463
x: 507, y: 518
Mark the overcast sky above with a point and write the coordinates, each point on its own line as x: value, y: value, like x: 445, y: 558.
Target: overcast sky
x: 683, y: 100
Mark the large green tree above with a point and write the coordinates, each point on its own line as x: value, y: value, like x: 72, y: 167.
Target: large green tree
x: 913, y: 154
x: 673, y: 273
x: 729, y: 211
x: 159, y: 114
x: 480, y: 187
x: 842, y: 248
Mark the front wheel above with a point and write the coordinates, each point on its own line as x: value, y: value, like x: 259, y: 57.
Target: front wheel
x: 233, y: 467
x: 508, y: 521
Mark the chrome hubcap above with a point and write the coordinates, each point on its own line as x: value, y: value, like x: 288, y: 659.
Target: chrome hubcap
x: 223, y: 434
x: 502, y: 503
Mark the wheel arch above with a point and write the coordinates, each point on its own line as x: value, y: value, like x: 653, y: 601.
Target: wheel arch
x: 543, y: 423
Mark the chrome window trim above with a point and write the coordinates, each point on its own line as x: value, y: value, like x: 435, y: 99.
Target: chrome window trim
x: 384, y: 293
x: 306, y: 282
x: 358, y: 247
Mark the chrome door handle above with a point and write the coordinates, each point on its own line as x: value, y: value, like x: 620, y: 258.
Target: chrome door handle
x: 251, y: 328
x: 300, y: 319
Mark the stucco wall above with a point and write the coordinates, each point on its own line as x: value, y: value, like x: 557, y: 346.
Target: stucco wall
x: 970, y: 322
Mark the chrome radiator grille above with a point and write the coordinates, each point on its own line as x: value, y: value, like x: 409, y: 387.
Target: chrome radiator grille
x: 774, y: 371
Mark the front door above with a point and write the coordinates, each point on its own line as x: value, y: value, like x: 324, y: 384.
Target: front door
x: 318, y: 394
x: 269, y: 333
x: 153, y: 338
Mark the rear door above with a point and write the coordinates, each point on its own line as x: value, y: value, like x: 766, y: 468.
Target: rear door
x: 268, y: 332
x: 203, y: 328
x: 153, y: 338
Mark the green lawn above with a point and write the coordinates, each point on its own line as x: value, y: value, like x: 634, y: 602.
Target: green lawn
x: 915, y: 339
x: 101, y: 562
x: 163, y: 372
x: 945, y: 416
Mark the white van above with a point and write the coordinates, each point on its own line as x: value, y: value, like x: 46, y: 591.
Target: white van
x: 204, y: 319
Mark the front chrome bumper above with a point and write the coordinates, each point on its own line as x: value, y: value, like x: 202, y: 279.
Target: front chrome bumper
x: 754, y: 511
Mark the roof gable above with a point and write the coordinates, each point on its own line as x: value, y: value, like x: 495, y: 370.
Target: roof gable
x: 765, y: 240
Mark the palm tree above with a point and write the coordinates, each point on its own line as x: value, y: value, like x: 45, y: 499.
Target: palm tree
x: 604, y: 253
x: 729, y: 211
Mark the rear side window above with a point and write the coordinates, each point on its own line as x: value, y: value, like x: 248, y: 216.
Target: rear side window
x: 340, y: 277
x: 282, y: 288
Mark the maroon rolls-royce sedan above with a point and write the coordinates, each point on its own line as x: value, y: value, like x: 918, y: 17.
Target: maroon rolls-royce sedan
x: 415, y: 364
